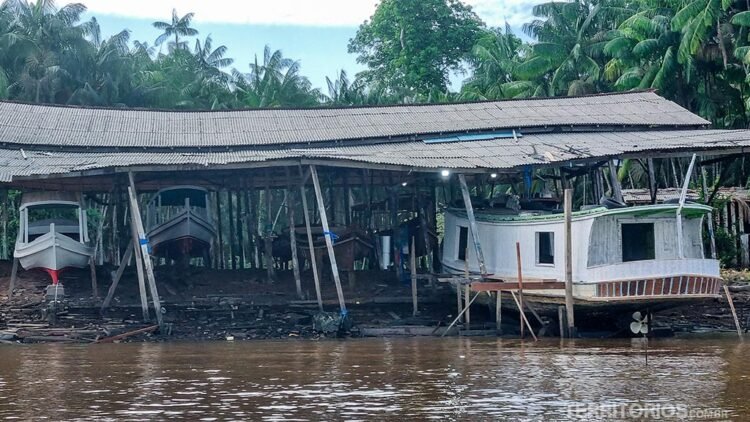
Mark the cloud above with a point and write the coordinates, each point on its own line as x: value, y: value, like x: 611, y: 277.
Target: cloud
x: 291, y: 12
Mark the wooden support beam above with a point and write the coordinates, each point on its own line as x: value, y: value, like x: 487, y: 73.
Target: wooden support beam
x: 92, y: 270
x: 710, y: 218
x: 519, y: 301
x: 13, y: 277
x: 461, y: 312
x: 267, y: 240
x: 5, y: 223
x: 734, y: 312
x: 139, y: 268
x: 652, y: 185
x: 524, y: 321
x: 240, y: 230
x: 221, y: 263
x: 313, y: 263
x: 413, y: 268
x: 328, y: 238
x: 135, y: 217
x: 467, y: 310
x: 499, y: 311
x: 289, y: 197
x: 569, y: 303
x: 124, y: 262
x: 232, y: 235
x: 473, y: 230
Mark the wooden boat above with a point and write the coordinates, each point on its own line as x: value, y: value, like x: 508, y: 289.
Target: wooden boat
x: 179, y: 223
x: 624, y: 259
x: 52, y: 233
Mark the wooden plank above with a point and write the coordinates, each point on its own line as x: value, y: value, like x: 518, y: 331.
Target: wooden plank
x: 474, y: 231
x: 569, y: 303
x: 313, y: 262
x: 493, y: 286
x: 135, y: 217
x: 734, y: 312
x: 460, y: 313
x: 523, y: 316
x: 149, y: 329
x: 118, y: 275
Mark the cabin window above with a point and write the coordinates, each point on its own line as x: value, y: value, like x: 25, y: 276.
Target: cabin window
x: 638, y: 242
x: 463, y: 242
x: 545, y: 248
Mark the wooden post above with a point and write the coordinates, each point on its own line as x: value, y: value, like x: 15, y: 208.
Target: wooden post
x: 240, y: 230
x: 474, y: 231
x: 267, y: 231
x: 313, y: 261
x: 710, y: 220
x: 116, y: 280
x: 5, y: 223
x: 413, y: 268
x: 616, y: 189
x: 328, y: 238
x: 653, y: 187
x: 467, y: 311
x: 221, y: 264
x: 523, y: 316
x: 13, y: 277
x: 520, y: 287
x: 92, y: 270
x: 569, y: 303
x: 499, y: 311
x: 290, y: 203
x: 561, y: 321
x: 135, y: 217
x: 232, y: 232
x: 734, y: 312
x: 139, y: 266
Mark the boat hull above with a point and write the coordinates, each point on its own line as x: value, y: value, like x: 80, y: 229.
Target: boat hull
x: 186, y: 234
x: 53, y: 252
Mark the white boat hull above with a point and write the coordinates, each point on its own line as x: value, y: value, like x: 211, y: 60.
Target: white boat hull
x: 53, y: 252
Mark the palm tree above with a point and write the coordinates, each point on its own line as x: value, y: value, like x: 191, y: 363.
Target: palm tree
x: 210, y: 60
x: 494, y: 58
x: 179, y: 27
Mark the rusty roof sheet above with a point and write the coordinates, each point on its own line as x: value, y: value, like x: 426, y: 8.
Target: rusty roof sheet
x: 76, y: 127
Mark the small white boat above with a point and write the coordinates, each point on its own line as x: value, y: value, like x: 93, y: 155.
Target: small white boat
x: 623, y: 258
x: 52, y: 233
x: 179, y: 222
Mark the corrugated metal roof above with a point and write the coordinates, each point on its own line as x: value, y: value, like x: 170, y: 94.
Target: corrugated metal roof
x: 535, y: 149
x: 59, y: 126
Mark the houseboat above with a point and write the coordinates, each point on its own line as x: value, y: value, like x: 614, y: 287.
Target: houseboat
x: 623, y: 258
x: 52, y: 234
x: 179, y: 223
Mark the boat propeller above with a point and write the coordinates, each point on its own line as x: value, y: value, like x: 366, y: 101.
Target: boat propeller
x: 640, y: 325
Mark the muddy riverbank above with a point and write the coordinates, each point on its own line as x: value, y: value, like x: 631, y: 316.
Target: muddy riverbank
x: 241, y: 305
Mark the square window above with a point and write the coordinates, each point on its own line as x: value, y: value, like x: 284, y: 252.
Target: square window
x: 545, y: 248
x: 463, y: 242
x: 638, y: 242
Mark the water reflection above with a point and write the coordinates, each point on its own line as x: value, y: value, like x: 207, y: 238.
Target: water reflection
x: 423, y: 378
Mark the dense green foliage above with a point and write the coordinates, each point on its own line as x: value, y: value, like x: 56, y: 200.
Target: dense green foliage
x: 695, y: 52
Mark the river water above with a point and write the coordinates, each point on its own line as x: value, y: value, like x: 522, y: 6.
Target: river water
x: 377, y: 379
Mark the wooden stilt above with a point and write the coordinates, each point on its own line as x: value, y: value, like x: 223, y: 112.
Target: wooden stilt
x: 221, y: 262
x: 313, y: 262
x: 460, y: 313
x: 268, y: 232
x: 561, y: 321
x: 413, y: 268
x: 473, y: 231
x: 290, y: 205
x: 523, y: 315
x: 240, y: 230
x: 5, y: 223
x: 467, y: 311
x: 734, y: 312
x: 653, y: 187
x: 13, y: 277
x: 139, y: 268
x: 499, y: 311
x: 118, y: 275
x: 232, y: 232
x: 459, y: 301
x: 519, y: 301
x: 94, y: 286
x: 710, y: 217
x: 569, y: 303
x: 135, y: 217
x: 328, y: 238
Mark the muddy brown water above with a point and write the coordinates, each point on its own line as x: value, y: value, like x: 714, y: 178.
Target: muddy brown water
x: 378, y: 379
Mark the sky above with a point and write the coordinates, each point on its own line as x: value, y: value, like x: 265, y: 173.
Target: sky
x: 315, y: 32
